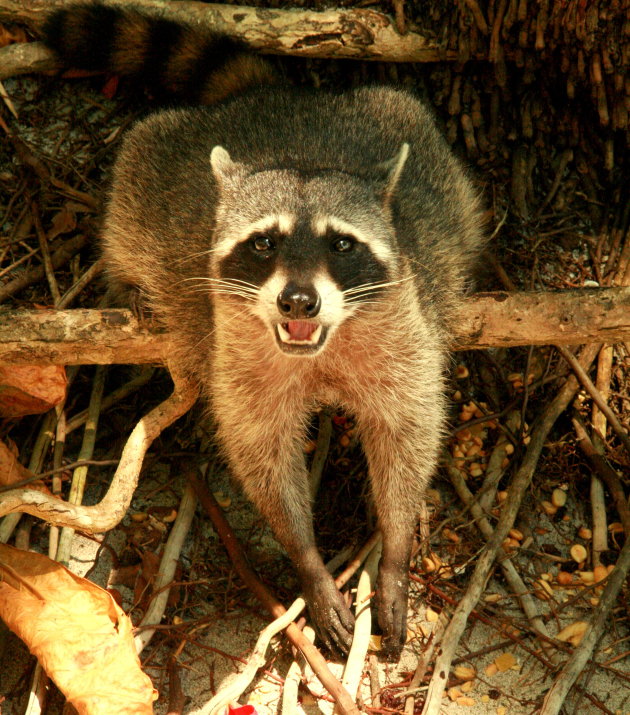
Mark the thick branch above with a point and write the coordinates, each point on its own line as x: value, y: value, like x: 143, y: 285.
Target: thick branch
x: 81, y: 337
x: 110, y: 510
x: 337, y: 33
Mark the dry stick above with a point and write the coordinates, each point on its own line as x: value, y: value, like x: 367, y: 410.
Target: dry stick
x: 26, y: 57
x: 516, y: 583
x: 77, y: 287
x: 595, y: 394
x: 176, y: 697
x: 575, y: 664
x: 362, y: 624
x: 116, y: 396
x: 484, y: 320
x: 606, y: 472
x: 232, y: 690
x: 43, y: 246
x: 168, y: 565
x: 480, y: 575
x: 111, y: 509
x: 358, y: 33
x: 79, y: 476
x: 495, y: 470
x: 59, y: 258
x: 44, y: 437
x: 599, y: 542
x: 275, y: 608
x: 423, y: 662
x: 293, y: 677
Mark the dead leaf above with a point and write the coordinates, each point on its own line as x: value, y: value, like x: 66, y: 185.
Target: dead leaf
x: 63, y: 221
x: 81, y: 637
x: 12, y: 471
x: 504, y: 662
x: 30, y: 389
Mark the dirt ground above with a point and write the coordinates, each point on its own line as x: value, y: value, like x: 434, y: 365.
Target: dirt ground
x: 569, y: 231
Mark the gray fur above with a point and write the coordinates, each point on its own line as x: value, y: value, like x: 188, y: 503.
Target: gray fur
x: 343, y: 154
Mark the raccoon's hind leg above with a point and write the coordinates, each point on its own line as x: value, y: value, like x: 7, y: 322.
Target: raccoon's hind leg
x: 400, y: 432
x: 263, y: 438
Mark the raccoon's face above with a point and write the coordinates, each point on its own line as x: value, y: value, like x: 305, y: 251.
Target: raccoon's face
x: 304, y: 253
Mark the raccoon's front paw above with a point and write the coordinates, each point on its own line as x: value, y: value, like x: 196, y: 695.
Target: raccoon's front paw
x: 391, y: 610
x: 332, y: 619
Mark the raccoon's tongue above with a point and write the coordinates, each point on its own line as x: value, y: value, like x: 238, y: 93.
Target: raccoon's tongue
x: 300, y: 329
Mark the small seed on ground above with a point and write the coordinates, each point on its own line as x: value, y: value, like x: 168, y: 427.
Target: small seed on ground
x: 558, y: 497
x: 578, y: 553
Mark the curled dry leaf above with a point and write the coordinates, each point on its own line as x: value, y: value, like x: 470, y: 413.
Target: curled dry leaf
x: 78, y: 633
x: 30, y: 389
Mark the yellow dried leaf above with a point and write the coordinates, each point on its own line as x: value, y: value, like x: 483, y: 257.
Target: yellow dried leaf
x: 465, y: 700
x: 504, y: 662
x: 464, y: 672
x: 454, y: 693
x: 431, y: 615
x: 81, y: 637
x: 573, y: 633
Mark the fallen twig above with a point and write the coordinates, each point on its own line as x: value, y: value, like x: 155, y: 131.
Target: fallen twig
x: 595, y: 394
x: 79, y: 476
x: 239, y: 561
x: 168, y: 564
x: 606, y: 472
x: 508, y: 514
x: 114, y: 505
x: 362, y: 623
x: 575, y: 664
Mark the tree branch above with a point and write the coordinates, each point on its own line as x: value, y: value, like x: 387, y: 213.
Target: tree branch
x: 358, y: 33
x: 82, y: 337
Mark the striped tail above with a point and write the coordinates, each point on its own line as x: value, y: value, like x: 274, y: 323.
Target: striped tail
x: 174, y: 62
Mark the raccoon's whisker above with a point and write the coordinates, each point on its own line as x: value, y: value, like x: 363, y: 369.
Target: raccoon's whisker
x: 190, y: 256
x: 225, y: 323
x: 375, y: 286
x: 227, y: 281
x: 211, y: 291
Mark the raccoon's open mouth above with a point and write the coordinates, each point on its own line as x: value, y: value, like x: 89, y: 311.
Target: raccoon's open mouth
x: 300, y: 336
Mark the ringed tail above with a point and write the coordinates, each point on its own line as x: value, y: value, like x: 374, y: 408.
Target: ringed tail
x: 173, y: 61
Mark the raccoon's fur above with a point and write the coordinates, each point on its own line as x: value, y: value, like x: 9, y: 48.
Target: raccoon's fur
x: 303, y: 248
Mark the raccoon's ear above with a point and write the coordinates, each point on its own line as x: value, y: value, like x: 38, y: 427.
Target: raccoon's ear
x: 394, y: 168
x: 225, y: 170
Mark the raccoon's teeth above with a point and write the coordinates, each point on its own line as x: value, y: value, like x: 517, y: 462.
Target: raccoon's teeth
x: 307, y: 333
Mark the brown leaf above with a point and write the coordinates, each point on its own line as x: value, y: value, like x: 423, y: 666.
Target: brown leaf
x: 12, y: 471
x: 63, y: 221
x: 78, y: 633
x: 30, y: 389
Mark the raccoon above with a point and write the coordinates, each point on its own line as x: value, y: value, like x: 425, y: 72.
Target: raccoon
x: 303, y: 248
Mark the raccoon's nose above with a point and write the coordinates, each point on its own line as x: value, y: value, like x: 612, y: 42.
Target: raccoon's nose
x: 298, y: 302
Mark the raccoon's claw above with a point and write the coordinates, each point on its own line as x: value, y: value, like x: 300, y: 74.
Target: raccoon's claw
x: 332, y: 619
x: 391, y: 609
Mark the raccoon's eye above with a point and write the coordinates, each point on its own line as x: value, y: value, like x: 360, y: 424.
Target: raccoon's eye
x: 343, y: 245
x: 262, y: 243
